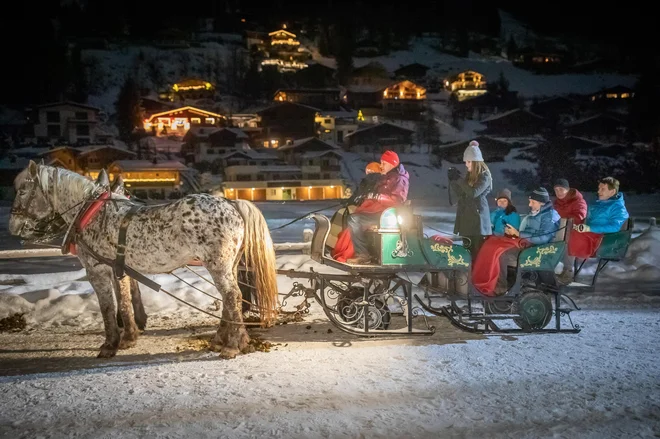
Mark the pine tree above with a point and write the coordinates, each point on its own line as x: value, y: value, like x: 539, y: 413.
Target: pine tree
x: 128, y: 109
x: 79, y: 76
x: 344, y: 49
x: 511, y: 48
x: 644, y: 112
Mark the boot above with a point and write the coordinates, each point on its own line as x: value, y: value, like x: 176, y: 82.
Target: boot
x: 566, y: 276
x: 359, y: 259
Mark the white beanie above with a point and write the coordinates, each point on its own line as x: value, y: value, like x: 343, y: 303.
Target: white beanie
x: 473, y: 153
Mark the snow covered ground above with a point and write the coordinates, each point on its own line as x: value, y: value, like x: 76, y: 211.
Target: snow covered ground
x: 601, y: 383
x: 319, y: 383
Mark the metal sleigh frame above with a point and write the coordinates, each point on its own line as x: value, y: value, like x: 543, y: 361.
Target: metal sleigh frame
x: 371, y: 289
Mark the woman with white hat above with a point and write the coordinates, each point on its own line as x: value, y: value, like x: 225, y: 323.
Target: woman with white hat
x: 472, y: 212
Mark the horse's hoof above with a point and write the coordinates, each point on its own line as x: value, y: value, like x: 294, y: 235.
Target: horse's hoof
x: 106, y: 352
x: 126, y: 344
x: 228, y: 353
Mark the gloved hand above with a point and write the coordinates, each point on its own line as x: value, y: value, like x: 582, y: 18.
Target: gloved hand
x: 441, y: 239
x: 453, y: 174
x: 581, y: 228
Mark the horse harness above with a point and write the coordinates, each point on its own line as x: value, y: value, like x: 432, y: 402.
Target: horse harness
x: 118, y: 264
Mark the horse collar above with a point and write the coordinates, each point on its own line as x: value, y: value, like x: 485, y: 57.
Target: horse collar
x: 84, y: 217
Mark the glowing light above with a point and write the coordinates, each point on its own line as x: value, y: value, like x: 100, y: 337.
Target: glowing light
x: 149, y: 180
x: 389, y: 220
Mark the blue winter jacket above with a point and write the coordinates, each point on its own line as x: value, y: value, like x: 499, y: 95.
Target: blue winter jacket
x: 607, y: 216
x: 498, y: 218
x: 541, y: 228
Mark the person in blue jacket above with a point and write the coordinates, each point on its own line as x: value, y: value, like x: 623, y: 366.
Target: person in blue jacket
x: 505, y: 213
x: 608, y: 213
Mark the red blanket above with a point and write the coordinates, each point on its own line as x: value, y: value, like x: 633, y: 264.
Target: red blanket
x: 486, y: 267
x: 344, y: 247
x: 584, y: 245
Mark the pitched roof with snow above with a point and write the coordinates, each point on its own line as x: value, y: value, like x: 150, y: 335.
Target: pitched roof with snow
x: 281, y: 104
x: 596, y: 116
x: 509, y: 113
x: 371, y: 127
x: 67, y: 103
x: 301, y: 142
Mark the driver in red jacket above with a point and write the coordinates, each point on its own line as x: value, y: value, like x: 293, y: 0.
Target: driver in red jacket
x: 392, y: 190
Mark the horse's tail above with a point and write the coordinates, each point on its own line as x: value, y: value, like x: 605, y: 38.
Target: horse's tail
x: 259, y: 255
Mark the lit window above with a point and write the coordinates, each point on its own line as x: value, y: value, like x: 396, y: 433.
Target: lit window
x: 195, y: 120
x: 625, y: 95
x: 210, y: 120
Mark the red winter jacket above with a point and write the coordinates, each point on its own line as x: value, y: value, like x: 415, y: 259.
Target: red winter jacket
x: 572, y: 206
x: 392, y: 191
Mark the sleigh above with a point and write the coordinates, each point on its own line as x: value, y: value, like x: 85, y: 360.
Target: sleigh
x: 369, y: 299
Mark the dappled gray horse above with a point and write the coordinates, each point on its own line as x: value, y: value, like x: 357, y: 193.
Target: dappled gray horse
x: 159, y: 239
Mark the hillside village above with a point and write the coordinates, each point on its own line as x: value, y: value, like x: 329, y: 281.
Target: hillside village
x: 180, y: 116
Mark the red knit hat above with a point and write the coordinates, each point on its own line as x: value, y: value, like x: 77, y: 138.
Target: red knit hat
x: 390, y: 157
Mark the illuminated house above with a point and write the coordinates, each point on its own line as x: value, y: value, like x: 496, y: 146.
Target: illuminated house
x: 284, y: 39
x: 189, y: 89
x: 536, y: 60
x: 466, y: 84
x: 334, y: 126
x: 256, y: 176
x: 285, y: 52
x: 179, y: 120
x: 65, y: 121
x: 404, y: 96
x: 208, y: 144
x: 147, y: 179
x: 85, y: 160
x: 286, y: 121
x: 323, y: 98
x: 618, y: 97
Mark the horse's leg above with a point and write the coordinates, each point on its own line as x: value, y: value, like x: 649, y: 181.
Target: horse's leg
x: 130, y: 334
x: 101, y: 278
x: 232, y: 336
x: 138, y: 307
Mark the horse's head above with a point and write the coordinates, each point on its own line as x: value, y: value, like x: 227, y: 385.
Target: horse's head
x: 32, y: 208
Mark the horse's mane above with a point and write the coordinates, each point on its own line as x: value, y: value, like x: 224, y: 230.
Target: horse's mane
x: 78, y: 185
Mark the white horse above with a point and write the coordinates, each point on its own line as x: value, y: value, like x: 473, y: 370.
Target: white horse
x: 159, y: 239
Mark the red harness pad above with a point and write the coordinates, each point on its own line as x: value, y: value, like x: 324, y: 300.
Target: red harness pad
x: 89, y: 215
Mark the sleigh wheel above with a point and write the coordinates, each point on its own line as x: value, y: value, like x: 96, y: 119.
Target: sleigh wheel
x: 535, y: 309
x: 351, y: 311
x: 498, y: 307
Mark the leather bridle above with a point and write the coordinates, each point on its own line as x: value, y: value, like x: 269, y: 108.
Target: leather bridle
x: 42, y: 226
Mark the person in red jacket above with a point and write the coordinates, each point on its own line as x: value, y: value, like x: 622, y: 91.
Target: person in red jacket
x: 392, y: 190
x: 570, y: 204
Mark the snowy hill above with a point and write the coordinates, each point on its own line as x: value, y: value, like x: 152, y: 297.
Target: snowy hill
x: 156, y: 67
